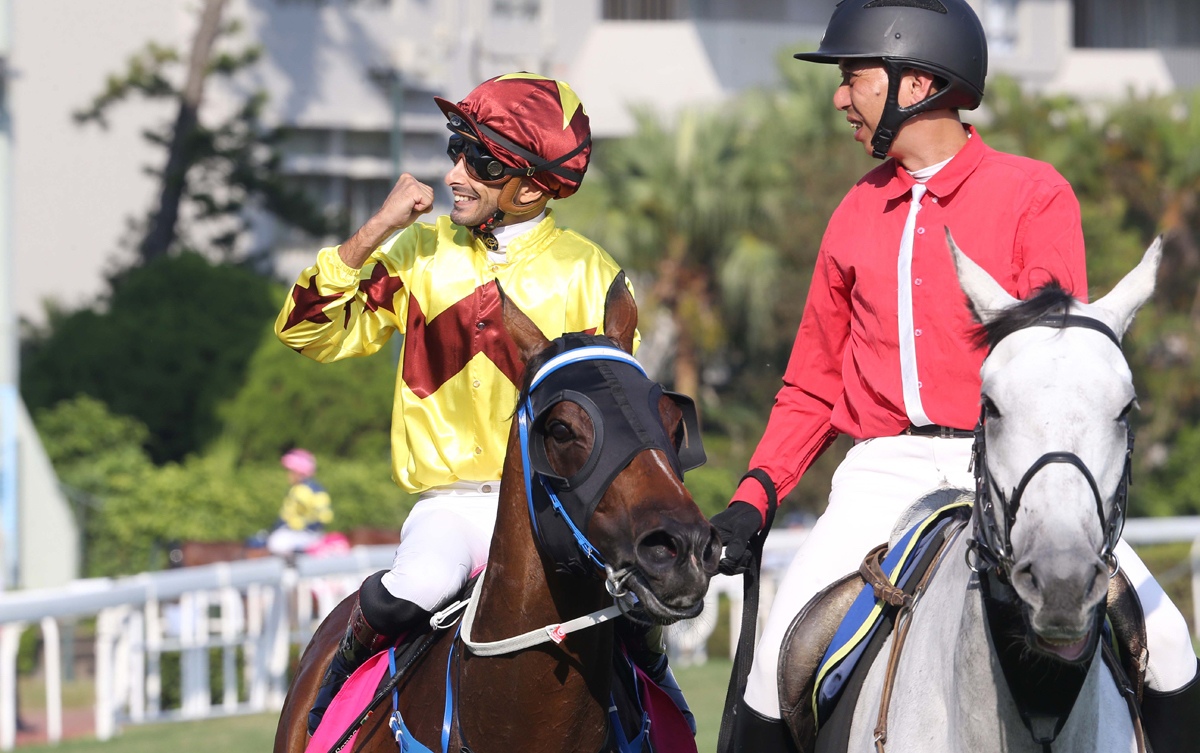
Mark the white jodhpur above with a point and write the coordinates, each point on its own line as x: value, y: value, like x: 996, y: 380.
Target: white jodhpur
x: 876, y: 483
x: 444, y: 539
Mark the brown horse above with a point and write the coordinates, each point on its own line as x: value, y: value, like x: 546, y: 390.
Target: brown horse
x: 551, y: 697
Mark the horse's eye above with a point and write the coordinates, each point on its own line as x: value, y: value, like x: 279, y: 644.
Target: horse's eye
x: 560, y: 432
x: 1127, y: 409
x: 989, y: 408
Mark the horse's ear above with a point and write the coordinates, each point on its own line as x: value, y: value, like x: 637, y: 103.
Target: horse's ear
x: 1134, y: 289
x: 986, y: 296
x: 528, y: 337
x: 620, y: 314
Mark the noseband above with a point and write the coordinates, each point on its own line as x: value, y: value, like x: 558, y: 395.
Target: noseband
x: 621, y: 401
x: 992, y: 544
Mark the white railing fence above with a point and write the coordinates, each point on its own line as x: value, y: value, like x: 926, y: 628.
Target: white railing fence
x: 252, y: 611
x: 687, y: 641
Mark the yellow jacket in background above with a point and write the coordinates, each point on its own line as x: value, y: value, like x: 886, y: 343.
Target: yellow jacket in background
x: 306, y: 505
x: 457, y: 383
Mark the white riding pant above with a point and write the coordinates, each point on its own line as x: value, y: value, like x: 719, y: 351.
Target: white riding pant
x: 878, y: 480
x: 444, y: 539
x: 284, y: 541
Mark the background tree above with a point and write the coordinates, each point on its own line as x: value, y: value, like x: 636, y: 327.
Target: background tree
x: 214, y: 172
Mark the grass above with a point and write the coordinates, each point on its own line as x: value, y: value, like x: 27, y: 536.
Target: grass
x: 704, y: 685
x: 240, y: 734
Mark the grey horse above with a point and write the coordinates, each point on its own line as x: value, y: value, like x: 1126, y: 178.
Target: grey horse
x: 1045, y: 390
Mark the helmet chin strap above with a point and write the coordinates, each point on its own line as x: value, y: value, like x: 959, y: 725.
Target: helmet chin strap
x: 894, y: 116
x: 508, y: 205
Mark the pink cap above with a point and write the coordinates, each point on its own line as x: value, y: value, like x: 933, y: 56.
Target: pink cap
x: 300, y: 461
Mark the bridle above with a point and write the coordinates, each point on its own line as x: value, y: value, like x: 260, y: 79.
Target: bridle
x: 621, y: 402
x: 991, y: 545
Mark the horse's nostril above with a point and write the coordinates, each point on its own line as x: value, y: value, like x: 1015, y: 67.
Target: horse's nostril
x: 1025, y: 572
x: 658, y: 549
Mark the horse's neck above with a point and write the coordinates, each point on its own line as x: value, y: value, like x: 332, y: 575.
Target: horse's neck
x: 558, y: 692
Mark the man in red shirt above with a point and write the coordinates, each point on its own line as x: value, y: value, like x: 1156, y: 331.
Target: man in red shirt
x: 884, y: 351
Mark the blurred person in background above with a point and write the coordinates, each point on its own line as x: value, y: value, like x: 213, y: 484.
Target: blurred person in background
x: 884, y: 350
x: 516, y: 142
x: 306, y: 509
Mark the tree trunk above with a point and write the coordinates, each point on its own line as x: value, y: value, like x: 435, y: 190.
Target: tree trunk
x: 162, y: 225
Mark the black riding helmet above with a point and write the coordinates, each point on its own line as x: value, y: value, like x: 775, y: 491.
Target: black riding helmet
x: 943, y: 37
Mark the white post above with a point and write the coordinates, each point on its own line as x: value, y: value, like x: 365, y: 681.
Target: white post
x: 53, y: 672
x: 229, y: 632
x: 105, y: 707
x: 137, y: 666
x: 187, y: 666
x: 154, y: 636
x: 253, y: 652
x: 1196, y: 586
x: 203, y: 699
x: 10, y: 643
x: 280, y: 640
x: 121, y: 657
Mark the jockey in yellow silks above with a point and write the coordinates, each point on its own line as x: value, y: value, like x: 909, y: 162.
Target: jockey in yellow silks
x: 516, y: 141
x: 306, y: 509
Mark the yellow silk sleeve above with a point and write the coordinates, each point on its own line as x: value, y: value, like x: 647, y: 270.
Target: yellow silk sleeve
x: 335, y: 311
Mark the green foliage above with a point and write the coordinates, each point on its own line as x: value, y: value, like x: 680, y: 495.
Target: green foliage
x: 134, y: 505
x: 170, y: 345
x: 287, y: 400
x: 225, y: 168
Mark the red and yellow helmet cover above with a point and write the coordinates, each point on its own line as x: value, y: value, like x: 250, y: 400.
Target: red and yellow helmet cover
x: 541, y: 114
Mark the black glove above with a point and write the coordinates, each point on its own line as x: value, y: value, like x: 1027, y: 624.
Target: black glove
x: 737, y: 525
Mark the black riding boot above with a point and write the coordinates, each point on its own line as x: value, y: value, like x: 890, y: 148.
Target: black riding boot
x: 644, y: 643
x: 755, y: 733
x: 1172, y: 720
x: 360, y: 643
x: 374, y: 606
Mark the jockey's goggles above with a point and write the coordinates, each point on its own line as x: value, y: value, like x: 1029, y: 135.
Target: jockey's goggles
x: 481, y: 165
x: 466, y: 142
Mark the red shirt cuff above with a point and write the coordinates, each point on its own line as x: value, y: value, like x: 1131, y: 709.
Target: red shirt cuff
x: 752, y: 492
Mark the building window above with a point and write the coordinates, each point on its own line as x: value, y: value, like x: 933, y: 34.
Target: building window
x: 517, y: 10
x: 644, y: 10
x: 1000, y: 24
x: 1137, y: 23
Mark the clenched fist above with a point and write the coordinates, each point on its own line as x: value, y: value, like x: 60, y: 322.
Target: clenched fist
x: 408, y: 200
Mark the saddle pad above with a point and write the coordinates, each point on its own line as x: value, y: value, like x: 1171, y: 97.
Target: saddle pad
x: 669, y: 731
x: 354, y: 696
x: 864, y: 617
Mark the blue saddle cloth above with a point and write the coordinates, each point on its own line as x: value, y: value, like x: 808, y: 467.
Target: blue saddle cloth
x: 867, y: 612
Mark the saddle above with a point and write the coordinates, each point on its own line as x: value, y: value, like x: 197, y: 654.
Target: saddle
x: 636, y: 700
x: 808, y: 640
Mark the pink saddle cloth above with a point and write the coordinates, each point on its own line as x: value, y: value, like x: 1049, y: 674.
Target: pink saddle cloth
x: 669, y: 730
x: 348, y: 704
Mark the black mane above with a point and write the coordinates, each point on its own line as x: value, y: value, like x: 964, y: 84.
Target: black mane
x: 1049, y: 298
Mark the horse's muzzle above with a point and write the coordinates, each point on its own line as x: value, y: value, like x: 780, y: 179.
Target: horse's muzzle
x: 675, y: 562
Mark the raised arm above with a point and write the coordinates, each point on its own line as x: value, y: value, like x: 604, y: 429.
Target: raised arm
x: 344, y: 305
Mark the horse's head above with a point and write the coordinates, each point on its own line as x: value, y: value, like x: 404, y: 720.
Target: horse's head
x: 1053, y: 456
x: 604, y: 451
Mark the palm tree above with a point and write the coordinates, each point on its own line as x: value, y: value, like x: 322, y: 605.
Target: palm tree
x: 693, y: 207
